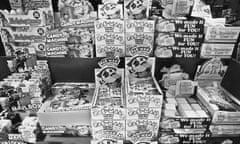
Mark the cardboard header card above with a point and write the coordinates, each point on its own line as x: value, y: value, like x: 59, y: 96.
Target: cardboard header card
x: 32, y: 18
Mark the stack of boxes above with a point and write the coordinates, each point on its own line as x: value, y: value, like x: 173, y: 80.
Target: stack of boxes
x: 143, y: 101
x: 109, y: 30
x: 219, y: 42
x: 25, y: 27
x: 179, y: 38
x: 108, y: 110
x: 139, y: 34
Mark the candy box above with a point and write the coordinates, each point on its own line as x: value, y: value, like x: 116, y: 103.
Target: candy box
x: 141, y: 130
x: 68, y: 109
x: 194, y: 25
x: 109, y: 26
x: 74, y: 11
x: 110, y: 51
x: 143, y: 113
x: 177, y: 51
x: 179, y: 39
x: 109, y: 39
x: 115, y: 135
x: 136, y: 9
x: 179, y: 136
x: 143, y: 100
x: 222, y: 34
x: 110, y: 11
x: 103, y: 126
x: 139, y: 38
x: 32, y: 18
x: 108, y: 113
x: 140, y: 26
x: 33, y: 48
x: 210, y: 50
x: 36, y: 34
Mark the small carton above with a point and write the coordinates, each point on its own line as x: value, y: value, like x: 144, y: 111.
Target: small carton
x: 109, y: 26
x: 110, y: 11
x: 140, y: 26
x: 109, y: 39
x: 211, y: 50
x: 135, y: 9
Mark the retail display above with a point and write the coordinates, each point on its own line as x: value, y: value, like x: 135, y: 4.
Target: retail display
x: 119, y: 71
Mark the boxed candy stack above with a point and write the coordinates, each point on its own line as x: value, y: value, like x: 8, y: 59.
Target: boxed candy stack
x: 108, y: 109
x: 139, y: 34
x: 143, y: 99
x: 25, y: 91
x: 24, y: 28
x: 109, y: 30
x: 179, y: 38
x: 67, y: 111
x: 219, y: 42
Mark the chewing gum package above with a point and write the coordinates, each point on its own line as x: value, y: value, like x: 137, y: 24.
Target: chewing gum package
x: 108, y: 125
x: 116, y: 135
x: 143, y: 113
x: 33, y: 48
x: 109, y: 26
x: 75, y: 11
x: 221, y: 50
x: 180, y: 25
x: 222, y: 34
x: 109, y: 39
x: 177, y: 52
x: 136, y: 9
x: 110, y: 11
x: 140, y: 26
x: 110, y: 51
x: 179, y: 39
x: 35, y: 34
x: 33, y: 18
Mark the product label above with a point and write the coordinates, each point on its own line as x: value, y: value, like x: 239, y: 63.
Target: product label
x: 110, y: 51
x: 139, y: 38
x: 109, y: 26
x: 56, y: 37
x: 143, y: 113
x: 56, y: 49
x: 33, y: 18
x: 110, y: 39
x: 217, y: 50
x: 115, y: 125
x: 177, y: 52
x: 179, y: 25
x: 140, y: 26
x: 179, y: 39
x: 142, y: 100
x: 108, y: 113
x: 219, y: 34
x: 134, y: 9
